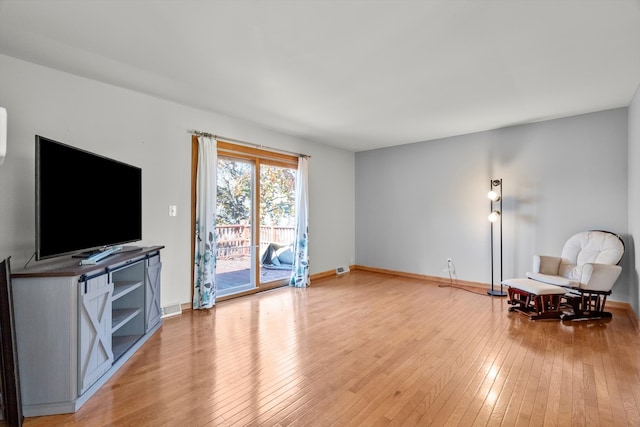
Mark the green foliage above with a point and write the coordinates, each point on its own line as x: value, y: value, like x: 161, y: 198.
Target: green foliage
x: 233, y: 192
x: 234, y: 187
x: 277, y: 195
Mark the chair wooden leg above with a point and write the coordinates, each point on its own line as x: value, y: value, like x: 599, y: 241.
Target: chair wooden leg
x: 534, y: 306
x: 547, y: 307
x: 588, y: 305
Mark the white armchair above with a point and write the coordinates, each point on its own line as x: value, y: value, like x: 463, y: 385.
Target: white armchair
x: 588, y: 268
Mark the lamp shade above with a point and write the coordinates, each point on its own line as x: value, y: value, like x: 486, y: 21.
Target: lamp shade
x: 493, y: 196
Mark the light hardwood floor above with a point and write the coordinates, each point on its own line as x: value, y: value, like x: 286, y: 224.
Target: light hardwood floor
x: 368, y: 349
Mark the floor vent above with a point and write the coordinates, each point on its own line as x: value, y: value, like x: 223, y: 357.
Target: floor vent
x: 342, y: 269
x: 171, y: 310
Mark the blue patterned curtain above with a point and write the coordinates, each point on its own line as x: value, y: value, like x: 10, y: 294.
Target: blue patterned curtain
x: 300, y: 271
x: 204, y: 285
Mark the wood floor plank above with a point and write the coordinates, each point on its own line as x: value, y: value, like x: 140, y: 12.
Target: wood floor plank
x: 372, y: 349
x: 504, y: 398
x: 495, y: 383
x: 552, y: 405
x: 471, y: 399
x: 450, y: 382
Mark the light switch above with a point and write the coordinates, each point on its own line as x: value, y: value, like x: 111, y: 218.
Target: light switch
x: 173, y: 210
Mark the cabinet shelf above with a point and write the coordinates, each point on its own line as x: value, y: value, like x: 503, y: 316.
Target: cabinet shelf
x: 122, y: 288
x: 121, y: 316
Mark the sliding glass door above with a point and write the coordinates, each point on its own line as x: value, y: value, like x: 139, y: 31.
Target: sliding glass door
x: 255, y: 218
x: 236, y: 254
x: 277, y: 222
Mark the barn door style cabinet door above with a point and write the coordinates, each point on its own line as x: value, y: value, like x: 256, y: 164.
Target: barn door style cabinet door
x: 94, y: 337
x: 77, y: 325
x: 152, y: 282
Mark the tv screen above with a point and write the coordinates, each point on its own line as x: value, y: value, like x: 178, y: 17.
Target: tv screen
x: 84, y: 201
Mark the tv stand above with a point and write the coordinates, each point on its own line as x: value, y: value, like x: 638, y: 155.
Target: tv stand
x: 76, y: 325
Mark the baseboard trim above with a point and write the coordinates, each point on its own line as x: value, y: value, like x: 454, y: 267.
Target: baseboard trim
x: 432, y: 279
x: 633, y: 316
x: 322, y: 275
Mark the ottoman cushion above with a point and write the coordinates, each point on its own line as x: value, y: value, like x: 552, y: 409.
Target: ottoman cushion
x: 534, y: 287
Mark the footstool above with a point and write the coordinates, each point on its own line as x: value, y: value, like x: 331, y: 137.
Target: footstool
x: 535, y: 299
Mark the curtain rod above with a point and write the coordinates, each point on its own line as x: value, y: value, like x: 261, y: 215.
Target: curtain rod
x: 238, y: 141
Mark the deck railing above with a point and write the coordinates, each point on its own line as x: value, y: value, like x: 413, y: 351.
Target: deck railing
x: 235, y: 240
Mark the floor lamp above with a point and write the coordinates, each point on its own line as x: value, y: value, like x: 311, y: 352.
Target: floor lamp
x: 495, y: 198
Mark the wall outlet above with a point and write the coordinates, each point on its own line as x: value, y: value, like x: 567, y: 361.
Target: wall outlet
x: 173, y: 210
x: 451, y: 268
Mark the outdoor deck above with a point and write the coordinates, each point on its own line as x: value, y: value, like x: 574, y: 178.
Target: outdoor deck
x: 233, y: 250
x: 233, y: 272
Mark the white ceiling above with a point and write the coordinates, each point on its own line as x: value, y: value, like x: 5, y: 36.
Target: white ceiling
x: 354, y: 74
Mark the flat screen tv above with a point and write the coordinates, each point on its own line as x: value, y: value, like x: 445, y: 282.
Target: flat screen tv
x: 84, y: 202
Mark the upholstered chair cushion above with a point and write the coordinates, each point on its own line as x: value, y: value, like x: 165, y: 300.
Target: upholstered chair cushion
x: 599, y: 247
x: 546, y: 264
x: 553, y: 280
x: 589, y: 261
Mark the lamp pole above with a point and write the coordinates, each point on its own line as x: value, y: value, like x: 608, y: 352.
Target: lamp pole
x: 496, y: 215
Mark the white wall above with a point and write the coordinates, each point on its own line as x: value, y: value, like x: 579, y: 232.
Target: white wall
x: 634, y: 200
x: 418, y: 204
x: 152, y: 134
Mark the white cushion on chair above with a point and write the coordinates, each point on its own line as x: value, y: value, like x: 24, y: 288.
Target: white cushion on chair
x: 534, y: 287
x: 596, y: 247
x: 599, y: 277
x: 546, y: 264
x: 588, y: 261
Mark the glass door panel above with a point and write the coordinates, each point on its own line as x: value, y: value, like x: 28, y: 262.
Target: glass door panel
x: 277, y: 222
x: 235, y: 266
